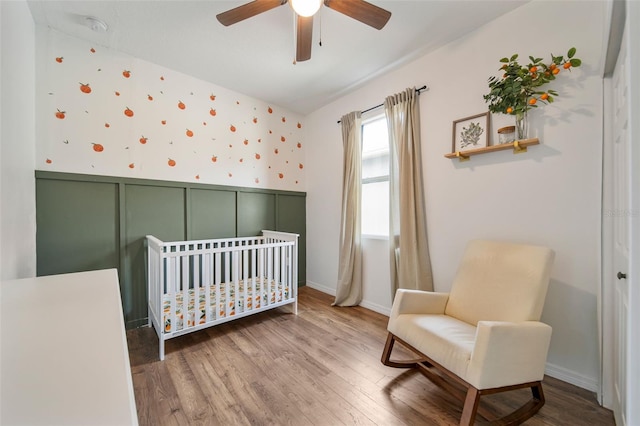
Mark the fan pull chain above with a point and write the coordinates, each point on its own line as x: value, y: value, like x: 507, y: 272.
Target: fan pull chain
x: 320, y: 23
x: 295, y: 36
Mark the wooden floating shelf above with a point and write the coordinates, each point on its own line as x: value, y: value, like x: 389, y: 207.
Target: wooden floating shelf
x: 517, y: 147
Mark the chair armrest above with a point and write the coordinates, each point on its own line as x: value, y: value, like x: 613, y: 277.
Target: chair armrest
x: 418, y: 302
x: 507, y: 353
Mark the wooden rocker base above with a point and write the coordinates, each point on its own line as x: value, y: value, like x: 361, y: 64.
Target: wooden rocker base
x: 465, y: 392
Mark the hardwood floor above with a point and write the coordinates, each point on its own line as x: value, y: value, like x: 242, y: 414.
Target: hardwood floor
x: 321, y: 367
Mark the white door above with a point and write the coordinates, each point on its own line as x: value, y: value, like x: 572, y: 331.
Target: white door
x: 616, y: 226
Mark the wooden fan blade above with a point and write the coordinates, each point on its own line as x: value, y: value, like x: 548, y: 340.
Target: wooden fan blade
x: 304, y: 32
x: 248, y: 10
x: 362, y: 11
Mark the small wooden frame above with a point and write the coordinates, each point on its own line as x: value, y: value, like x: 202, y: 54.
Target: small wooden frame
x: 470, y: 133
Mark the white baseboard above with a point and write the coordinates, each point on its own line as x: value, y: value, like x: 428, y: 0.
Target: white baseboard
x: 365, y: 304
x: 376, y: 307
x: 322, y: 288
x: 571, y: 377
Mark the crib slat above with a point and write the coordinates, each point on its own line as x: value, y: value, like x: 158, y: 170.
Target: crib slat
x: 261, y: 273
x: 290, y: 281
x: 185, y: 291
x: 278, y: 269
x: 159, y: 291
x: 245, y: 279
x: 234, y: 300
x: 217, y: 282
x: 269, y: 273
x: 207, y: 263
x: 287, y: 278
x: 173, y: 298
x: 227, y: 283
x: 197, y: 287
x: 253, y: 278
x: 279, y: 278
x: 283, y: 275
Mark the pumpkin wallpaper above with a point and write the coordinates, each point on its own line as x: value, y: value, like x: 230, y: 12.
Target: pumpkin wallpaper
x: 102, y: 112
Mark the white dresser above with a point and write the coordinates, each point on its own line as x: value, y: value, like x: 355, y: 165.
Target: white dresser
x: 64, y: 357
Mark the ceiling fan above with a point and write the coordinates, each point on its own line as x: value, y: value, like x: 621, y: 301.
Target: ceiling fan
x: 359, y: 10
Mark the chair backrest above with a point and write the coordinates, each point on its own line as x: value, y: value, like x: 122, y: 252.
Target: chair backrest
x: 500, y: 281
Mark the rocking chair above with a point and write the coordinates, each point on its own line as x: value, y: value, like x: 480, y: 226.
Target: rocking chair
x: 484, y: 336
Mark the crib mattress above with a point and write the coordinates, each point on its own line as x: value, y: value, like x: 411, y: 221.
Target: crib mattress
x: 274, y: 292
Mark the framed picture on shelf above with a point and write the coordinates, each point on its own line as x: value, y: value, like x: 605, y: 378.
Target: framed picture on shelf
x: 471, y: 133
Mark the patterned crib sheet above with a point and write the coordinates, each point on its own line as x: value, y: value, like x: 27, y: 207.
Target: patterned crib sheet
x: 275, y: 292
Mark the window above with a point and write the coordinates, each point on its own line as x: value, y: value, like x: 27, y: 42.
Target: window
x: 375, y: 177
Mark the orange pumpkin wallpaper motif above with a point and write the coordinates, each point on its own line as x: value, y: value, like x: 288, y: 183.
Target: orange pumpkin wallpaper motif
x: 161, y: 124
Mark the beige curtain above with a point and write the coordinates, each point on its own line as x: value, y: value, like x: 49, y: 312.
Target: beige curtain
x: 409, y: 251
x: 349, y: 288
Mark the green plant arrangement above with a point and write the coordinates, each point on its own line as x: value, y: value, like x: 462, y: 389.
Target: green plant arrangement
x: 519, y: 88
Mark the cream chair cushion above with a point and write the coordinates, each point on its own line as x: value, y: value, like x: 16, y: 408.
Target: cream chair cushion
x: 446, y: 340
x: 500, y: 281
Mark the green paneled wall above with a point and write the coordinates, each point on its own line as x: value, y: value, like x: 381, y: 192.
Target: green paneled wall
x: 208, y: 204
x: 149, y: 210
x: 291, y: 217
x: 255, y: 212
x: 89, y: 222
x: 89, y: 239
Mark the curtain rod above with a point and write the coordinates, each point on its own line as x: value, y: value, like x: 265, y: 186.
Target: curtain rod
x: 418, y: 91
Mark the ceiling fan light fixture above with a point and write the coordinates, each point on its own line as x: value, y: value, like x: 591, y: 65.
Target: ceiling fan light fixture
x: 305, y: 7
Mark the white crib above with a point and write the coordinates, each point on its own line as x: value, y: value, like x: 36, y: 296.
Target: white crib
x: 198, y: 284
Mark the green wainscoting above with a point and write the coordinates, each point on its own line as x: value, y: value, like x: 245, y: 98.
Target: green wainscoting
x: 291, y: 217
x: 87, y: 222
x: 255, y: 213
x: 78, y: 222
x: 211, y: 203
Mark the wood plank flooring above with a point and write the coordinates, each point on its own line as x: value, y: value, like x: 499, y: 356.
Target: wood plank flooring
x: 321, y: 367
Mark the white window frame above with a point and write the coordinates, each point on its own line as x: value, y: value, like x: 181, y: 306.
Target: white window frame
x: 385, y: 178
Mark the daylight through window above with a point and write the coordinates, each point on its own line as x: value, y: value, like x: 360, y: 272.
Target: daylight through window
x: 375, y: 177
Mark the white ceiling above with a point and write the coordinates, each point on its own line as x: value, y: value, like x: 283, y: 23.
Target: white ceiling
x: 255, y: 56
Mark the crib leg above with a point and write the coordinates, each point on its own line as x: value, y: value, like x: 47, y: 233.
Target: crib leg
x: 161, y: 349
x: 291, y: 307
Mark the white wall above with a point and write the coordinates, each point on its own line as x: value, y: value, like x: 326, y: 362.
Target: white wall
x: 181, y: 128
x: 548, y: 196
x: 17, y: 143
